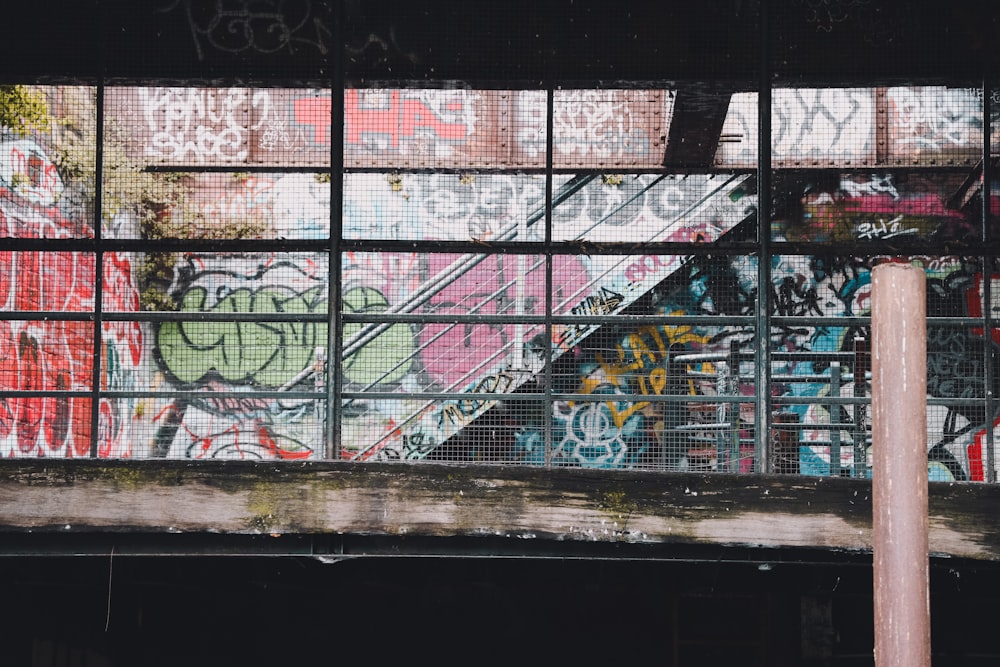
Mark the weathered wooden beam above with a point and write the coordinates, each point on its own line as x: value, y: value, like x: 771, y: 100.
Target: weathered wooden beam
x: 398, y: 501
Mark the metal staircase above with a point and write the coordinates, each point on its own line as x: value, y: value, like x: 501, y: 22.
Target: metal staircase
x: 436, y: 418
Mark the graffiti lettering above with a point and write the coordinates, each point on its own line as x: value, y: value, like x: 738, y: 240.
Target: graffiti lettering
x: 252, y: 200
x: 198, y: 125
x: 262, y: 26
x: 604, y: 302
x: 647, y: 264
x: 884, y: 230
x: 461, y: 412
x: 840, y: 126
x: 594, y: 125
x: 417, y: 445
x: 268, y: 354
x: 953, y: 364
x: 935, y: 119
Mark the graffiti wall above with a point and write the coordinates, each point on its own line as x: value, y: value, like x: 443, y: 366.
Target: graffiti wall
x: 392, y: 128
x: 50, y: 353
x: 838, y: 127
x: 227, y: 358
x: 238, y: 366
x: 220, y: 359
x: 495, y: 357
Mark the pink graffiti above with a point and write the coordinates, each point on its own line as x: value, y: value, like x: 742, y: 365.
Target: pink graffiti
x: 925, y: 205
x: 395, y: 275
x: 457, y: 354
x: 658, y: 265
x: 398, y: 118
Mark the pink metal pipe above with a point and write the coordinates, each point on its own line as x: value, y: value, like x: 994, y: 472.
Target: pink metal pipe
x: 899, y: 467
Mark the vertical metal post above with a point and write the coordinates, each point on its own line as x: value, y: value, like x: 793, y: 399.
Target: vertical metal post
x: 723, y: 460
x: 784, y: 443
x: 862, y: 364
x: 989, y: 259
x: 899, y: 485
x: 334, y: 341
x: 733, y: 409
x: 98, y: 343
x: 550, y: 111
x: 762, y: 341
x: 835, y: 381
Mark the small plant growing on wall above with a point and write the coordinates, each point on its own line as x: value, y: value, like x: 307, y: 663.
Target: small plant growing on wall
x: 150, y: 198
x: 23, y: 109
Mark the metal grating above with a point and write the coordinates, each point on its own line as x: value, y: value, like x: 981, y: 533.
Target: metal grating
x: 537, y: 274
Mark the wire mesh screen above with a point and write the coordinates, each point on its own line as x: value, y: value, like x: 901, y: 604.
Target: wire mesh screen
x: 886, y: 169
x: 566, y: 277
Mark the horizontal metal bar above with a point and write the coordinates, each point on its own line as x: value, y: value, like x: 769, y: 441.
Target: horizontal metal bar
x: 45, y: 315
x: 795, y: 426
x: 164, y: 245
x: 416, y: 245
x: 805, y: 321
x: 710, y: 426
x: 581, y: 246
x: 206, y: 395
x: 242, y: 168
x: 845, y: 378
x: 438, y: 396
x: 655, y: 398
x: 451, y: 396
x: 212, y: 316
x: 541, y: 397
x: 187, y: 395
x: 804, y: 426
x: 41, y: 393
x: 822, y: 400
x: 667, y: 320
x: 477, y: 170
x: 422, y: 318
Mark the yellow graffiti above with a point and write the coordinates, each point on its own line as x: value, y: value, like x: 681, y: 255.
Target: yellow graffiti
x: 645, y: 348
x: 683, y: 334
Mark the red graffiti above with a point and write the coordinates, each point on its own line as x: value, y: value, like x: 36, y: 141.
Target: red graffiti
x: 48, y: 356
x: 41, y: 179
x: 396, y: 117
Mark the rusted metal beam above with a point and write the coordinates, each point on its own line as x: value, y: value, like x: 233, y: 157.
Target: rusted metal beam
x: 695, y: 125
x: 899, y: 467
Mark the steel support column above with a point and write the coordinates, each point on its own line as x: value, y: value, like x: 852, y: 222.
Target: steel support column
x: 899, y: 484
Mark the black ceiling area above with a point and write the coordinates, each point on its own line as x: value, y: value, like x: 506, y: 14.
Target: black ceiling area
x: 513, y: 41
